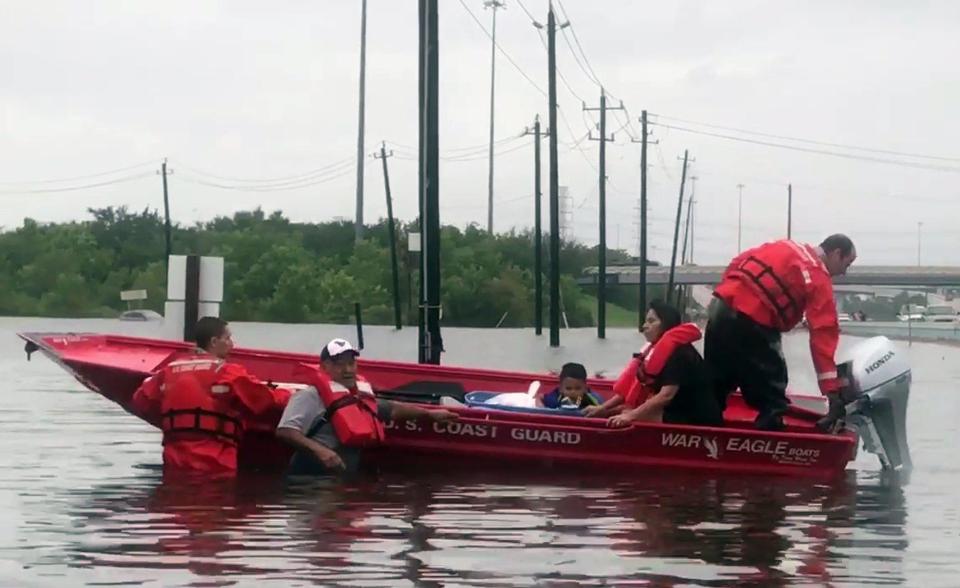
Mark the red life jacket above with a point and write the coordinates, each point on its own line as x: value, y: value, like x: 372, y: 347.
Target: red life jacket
x: 352, y: 412
x: 650, y: 362
x: 776, y: 284
x: 772, y: 283
x: 198, y: 402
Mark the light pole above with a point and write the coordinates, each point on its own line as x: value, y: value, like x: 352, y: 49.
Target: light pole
x: 493, y: 5
x: 919, y: 228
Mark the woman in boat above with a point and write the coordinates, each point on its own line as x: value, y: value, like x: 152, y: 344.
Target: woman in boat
x: 673, y: 386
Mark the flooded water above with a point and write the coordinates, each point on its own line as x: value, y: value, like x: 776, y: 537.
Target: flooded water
x: 82, y: 500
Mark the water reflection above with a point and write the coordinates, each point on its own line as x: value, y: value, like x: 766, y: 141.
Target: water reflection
x: 434, y: 529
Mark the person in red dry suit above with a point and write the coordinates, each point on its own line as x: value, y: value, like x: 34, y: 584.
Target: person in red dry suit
x: 202, y: 403
x: 766, y: 291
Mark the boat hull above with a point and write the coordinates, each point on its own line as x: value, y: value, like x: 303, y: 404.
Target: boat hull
x: 114, y: 367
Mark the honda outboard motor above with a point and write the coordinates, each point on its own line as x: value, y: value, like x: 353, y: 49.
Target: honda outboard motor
x: 876, y: 399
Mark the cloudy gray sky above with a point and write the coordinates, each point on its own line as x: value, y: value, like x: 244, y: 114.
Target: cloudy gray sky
x: 256, y: 90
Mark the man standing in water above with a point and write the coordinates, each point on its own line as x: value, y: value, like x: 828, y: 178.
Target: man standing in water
x: 330, y: 422
x: 766, y: 291
x: 202, y: 403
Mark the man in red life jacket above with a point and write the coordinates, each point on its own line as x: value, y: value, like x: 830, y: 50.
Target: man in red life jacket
x: 766, y: 291
x: 330, y: 422
x: 202, y: 404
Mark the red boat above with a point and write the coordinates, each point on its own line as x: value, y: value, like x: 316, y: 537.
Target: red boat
x: 114, y: 366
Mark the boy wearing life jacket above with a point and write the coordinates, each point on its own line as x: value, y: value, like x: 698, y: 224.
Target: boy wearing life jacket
x: 203, y: 404
x: 331, y: 421
x: 572, y: 391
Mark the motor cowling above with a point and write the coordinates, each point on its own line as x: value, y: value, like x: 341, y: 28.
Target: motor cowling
x: 876, y: 399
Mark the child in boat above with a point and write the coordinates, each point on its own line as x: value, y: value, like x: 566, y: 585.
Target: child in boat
x: 572, y: 391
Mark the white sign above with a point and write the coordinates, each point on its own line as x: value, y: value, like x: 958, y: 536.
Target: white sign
x: 128, y: 295
x: 413, y: 242
x: 211, y: 278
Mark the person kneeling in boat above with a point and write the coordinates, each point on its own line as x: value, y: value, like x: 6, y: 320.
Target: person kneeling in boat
x: 671, y: 383
x: 572, y: 391
x: 202, y: 403
x: 332, y: 420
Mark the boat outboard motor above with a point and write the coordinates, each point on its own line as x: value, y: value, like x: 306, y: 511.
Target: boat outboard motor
x: 876, y: 399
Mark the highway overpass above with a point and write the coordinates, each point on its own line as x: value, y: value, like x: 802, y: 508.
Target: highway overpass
x: 863, y: 275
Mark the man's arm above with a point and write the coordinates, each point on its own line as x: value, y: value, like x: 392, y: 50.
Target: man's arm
x: 319, y: 451
x: 255, y: 395
x: 824, y: 330
x: 300, y: 413
x: 402, y: 411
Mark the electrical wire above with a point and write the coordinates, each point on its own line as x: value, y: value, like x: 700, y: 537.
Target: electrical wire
x: 81, y: 187
x: 809, y: 141
x: 83, y: 177
x: 502, y: 51
x: 811, y: 150
x: 281, y: 179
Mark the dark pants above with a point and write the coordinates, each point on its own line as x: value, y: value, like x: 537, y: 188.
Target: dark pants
x: 741, y: 353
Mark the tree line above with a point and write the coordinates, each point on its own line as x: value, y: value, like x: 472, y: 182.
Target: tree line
x: 277, y: 270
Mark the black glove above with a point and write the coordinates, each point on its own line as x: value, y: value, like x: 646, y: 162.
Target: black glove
x: 833, y: 421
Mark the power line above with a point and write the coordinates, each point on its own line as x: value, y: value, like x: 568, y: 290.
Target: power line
x: 83, y: 177
x: 809, y: 141
x: 479, y: 156
x: 452, y: 151
x: 275, y: 180
x: 504, y: 53
x: 591, y: 74
x: 815, y: 151
x: 276, y: 188
x: 81, y: 187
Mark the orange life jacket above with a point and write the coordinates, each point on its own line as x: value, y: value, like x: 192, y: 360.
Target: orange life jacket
x: 650, y: 362
x: 352, y: 412
x: 772, y: 283
x: 775, y: 285
x: 198, y: 401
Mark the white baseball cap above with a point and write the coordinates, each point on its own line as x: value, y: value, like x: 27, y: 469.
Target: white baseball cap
x: 336, y: 348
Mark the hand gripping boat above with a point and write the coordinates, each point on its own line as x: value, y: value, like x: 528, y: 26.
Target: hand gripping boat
x: 876, y: 405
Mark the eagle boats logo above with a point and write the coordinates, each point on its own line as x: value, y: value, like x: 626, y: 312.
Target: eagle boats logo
x: 707, y: 443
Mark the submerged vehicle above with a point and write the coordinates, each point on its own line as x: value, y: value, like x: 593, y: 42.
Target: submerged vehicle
x: 876, y: 403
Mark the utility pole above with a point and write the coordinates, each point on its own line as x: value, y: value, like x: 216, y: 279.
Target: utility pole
x: 740, y: 218
x: 602, y: 248
x: 642, y: 311
x: 683, y: 291
x: 537, y: 230
x: 391, y: 235
x: 789, y: 210
x: 687, y: 224
x: 554, y: 179
x: 493, y: 5
x: 676, y: 227
x: 167, y: 231
x: 358, y: 223
x: 431, y: 343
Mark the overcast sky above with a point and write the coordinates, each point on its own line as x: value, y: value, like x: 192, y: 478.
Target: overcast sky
x: 256, y: 90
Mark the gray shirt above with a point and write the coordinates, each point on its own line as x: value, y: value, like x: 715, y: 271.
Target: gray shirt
x: 303, y: 412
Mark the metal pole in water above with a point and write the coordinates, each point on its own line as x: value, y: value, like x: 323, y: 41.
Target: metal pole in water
x: 359, y: 320
x: 554, y: 181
